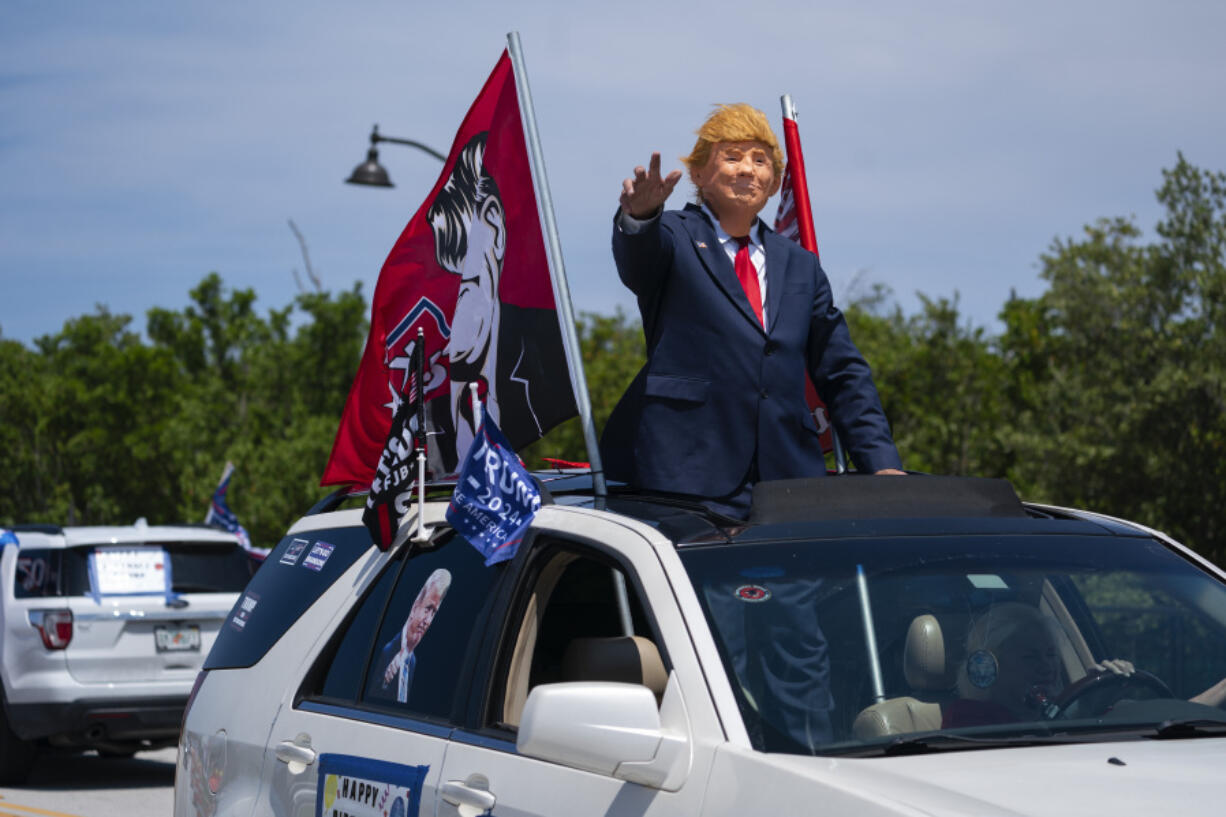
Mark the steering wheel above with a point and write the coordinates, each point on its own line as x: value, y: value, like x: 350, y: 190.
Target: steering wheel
x: 1097, y: 693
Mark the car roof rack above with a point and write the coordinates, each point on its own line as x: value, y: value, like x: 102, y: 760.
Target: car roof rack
x: 863, y: 496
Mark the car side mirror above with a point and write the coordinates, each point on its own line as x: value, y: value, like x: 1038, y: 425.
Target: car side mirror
x: 609, y: 728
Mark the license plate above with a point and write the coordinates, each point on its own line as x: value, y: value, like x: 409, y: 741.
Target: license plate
x: 177, y: 639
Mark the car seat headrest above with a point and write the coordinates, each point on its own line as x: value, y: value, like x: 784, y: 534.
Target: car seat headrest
x: 924, y: 655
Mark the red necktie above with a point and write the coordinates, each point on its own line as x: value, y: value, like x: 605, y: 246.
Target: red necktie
x: 747, y: 274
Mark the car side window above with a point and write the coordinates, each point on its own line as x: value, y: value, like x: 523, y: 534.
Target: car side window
x: 345, y: 664
x: 569, y: 629
x: 411, y: 644
x: 37, y: 574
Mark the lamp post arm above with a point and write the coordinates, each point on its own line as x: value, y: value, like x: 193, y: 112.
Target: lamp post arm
x: 376, y: 138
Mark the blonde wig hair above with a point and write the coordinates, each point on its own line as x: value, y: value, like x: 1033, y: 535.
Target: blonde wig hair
x: 738, y: 122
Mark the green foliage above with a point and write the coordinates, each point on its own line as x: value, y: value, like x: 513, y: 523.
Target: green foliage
x: 1108, y: 391
x: 941, y: 383
x: 101, y: 426
x: 613, y: 351
x: 1120, y: 367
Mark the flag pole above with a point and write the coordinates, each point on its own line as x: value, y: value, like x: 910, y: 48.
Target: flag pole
x: 553, y: 250
x: 804, y: 224
x: 419, y: 439
x: 561, y: 296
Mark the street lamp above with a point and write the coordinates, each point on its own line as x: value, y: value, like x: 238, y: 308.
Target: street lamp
x: 370, y: 172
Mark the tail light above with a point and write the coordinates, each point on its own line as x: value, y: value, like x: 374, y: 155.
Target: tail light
x: 55, y: 626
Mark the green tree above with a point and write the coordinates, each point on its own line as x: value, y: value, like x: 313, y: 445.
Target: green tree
x: 1118, y: 368
x: 96, y: 438
x: 23, y: 436
x: 260, y: 392
x: 100, y: 426
x: 941, y: 383
x: 613, y: 351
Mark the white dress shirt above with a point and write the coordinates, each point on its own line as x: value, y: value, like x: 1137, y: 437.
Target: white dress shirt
x: 757, y: 252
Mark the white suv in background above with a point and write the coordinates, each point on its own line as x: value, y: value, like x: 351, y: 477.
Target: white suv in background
x: 103, y: 632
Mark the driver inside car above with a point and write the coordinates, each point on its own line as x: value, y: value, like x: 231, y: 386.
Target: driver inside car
x: 1014, y: 671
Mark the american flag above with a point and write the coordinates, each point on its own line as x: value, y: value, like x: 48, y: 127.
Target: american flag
x: 794, y: 220
x: 785, y: 220
x: 220, y: 516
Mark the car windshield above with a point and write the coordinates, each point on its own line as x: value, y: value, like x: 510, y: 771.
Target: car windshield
x: 925, y: 643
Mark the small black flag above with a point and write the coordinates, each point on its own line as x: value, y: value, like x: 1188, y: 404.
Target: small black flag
x: 391, y: 490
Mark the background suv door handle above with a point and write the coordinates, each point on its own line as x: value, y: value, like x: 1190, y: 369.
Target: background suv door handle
x: 297, y: 753
x: 470, y: 800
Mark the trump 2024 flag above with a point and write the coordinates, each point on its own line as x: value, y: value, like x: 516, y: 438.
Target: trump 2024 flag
x: 495, y: 497
x: 470, y: 270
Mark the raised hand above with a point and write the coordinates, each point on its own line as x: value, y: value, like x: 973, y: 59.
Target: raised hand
x: 646, y: 193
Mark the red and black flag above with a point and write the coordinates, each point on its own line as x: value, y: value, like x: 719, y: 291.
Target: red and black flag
x: 470, y: 273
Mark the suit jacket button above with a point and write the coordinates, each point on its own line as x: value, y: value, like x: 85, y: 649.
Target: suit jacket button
x: 762, y: 394
x: 771, y: 347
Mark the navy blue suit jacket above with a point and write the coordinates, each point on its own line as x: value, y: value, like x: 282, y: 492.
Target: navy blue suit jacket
x: 718, y: 389
x: 374, y: 684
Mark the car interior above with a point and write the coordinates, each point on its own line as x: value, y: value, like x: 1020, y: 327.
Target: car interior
x: 570, y: 630
x: 929, y: 664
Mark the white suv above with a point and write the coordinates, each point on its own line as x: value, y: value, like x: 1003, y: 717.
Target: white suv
x: 104, y: 630
x: 863, y: 646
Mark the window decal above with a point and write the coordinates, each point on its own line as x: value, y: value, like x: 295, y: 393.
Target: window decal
x: 32, y: 574
x: 752, y: 593
x: 397, y: 661
x: 242, y: 613
x: 318, y: 556
x: 291, y: 554
x: 129, y: 571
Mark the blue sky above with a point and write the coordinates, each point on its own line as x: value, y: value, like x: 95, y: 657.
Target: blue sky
x: 145, y: 144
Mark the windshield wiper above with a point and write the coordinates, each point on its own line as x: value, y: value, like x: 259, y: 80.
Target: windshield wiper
x: 930, y: 742
x: 1189, y: 728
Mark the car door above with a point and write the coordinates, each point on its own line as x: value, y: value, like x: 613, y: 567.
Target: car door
x: 368, y: 730
x: 567, y: 596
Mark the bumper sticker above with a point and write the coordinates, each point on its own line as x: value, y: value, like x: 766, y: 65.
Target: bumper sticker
x: 361, y: 787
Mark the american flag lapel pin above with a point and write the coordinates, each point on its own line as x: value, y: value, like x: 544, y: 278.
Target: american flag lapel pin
x: 702, y: 245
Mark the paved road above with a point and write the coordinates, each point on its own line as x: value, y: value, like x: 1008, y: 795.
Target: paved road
x: 90, y: 786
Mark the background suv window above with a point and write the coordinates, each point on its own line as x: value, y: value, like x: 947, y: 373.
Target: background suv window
x: 194, y: 568
x: 197, y: 568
